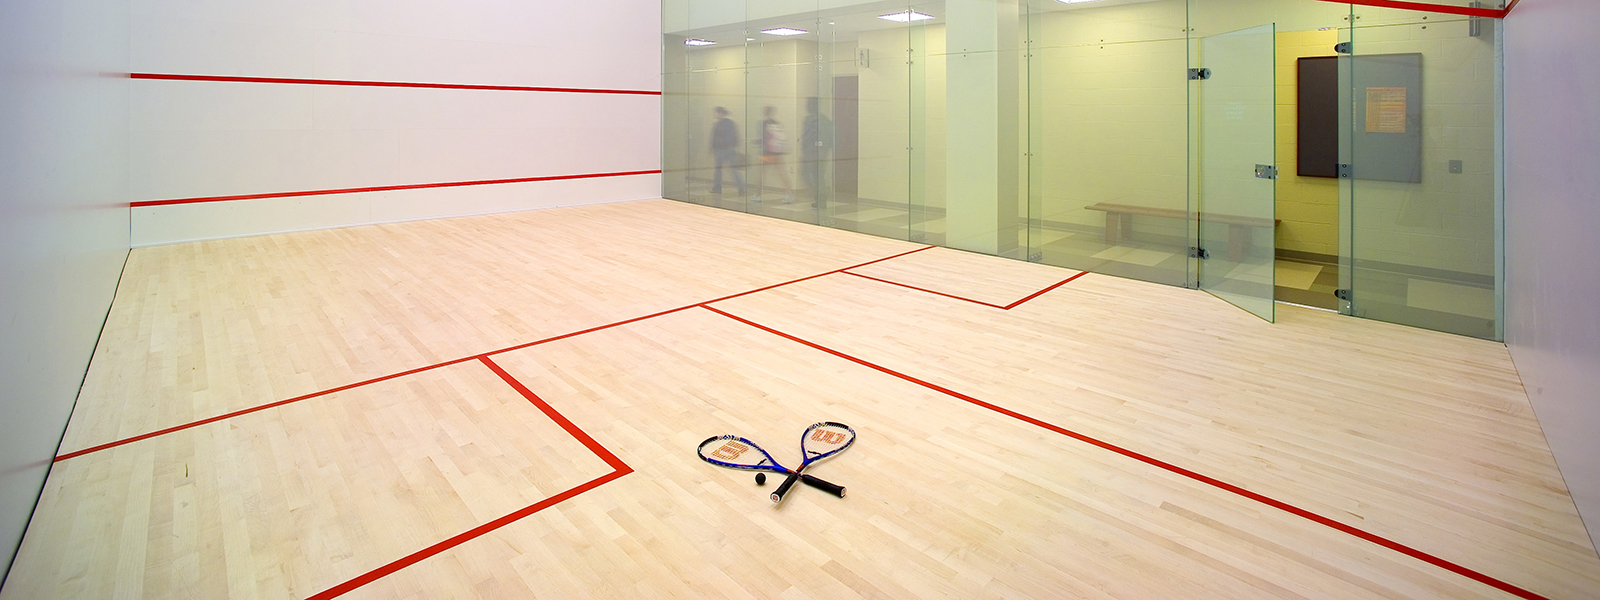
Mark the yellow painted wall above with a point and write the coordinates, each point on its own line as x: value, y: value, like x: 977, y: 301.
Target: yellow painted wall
x: 1307, y: 206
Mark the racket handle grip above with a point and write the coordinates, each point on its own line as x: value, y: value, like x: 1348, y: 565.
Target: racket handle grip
x: 784, y: 487
x: 837, y: 490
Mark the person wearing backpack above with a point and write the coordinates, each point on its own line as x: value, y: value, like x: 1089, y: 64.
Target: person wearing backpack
x: 774, y: 144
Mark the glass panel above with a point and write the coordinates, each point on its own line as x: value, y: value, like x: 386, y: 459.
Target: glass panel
x: 712, y: 43
x: 674, y: 101
x: 1108, y: 140
x: 1235, y: 94
x: 782, y: 74
x: 871, y: 108
x: 968, y: 179
x: 1423, y: 205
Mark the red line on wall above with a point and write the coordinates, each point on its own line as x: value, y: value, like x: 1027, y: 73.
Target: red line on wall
x: 1155, y: 462
x: 386, y: 188
x: 480, y: 356
x: 401, y: 84
x: 1006, y: 307
x: 1493, y: 13
x: 619, y: 469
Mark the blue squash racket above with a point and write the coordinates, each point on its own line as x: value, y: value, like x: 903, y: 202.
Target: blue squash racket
x: 819, y: 441
x: 735, y: 452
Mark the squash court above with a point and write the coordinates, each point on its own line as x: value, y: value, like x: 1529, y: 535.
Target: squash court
x: 440, y: 409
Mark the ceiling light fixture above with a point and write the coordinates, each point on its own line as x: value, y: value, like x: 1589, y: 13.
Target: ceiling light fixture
x: 784, y: 31
x: 905, y: 17
x: 698, y: 42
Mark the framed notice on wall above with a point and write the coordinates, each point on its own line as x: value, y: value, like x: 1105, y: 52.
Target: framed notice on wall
x: 1386, y: 136
x: 1386, y: 110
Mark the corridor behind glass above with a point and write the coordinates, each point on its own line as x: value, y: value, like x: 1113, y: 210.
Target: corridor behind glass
x: 1150, y: 139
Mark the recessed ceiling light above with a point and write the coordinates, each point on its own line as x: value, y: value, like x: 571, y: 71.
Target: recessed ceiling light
x: 905, y: 17
x: 698, y: 42
x: 784, y: 31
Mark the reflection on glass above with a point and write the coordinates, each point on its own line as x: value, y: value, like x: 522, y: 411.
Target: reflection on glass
x: 1236, y: 94
x: 1072, y: 134
x: 1422, y: 197
x: 1108, y: 138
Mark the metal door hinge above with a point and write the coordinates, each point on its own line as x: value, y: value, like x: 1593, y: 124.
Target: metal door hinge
x: 1267, y: 171
x: 1200, y: 73
x: 1342, y: 47
x: 1198, y: 252
x: 1344, y: 171
x: 1342, y: 295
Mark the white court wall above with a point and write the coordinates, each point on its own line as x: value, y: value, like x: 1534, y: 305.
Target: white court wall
x: 1553, y: 230
x: 209, y: 139
x: 63, y: 224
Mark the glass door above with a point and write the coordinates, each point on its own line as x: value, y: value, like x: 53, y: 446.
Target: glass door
x: 1235, y: 91
x: 1422, y: 203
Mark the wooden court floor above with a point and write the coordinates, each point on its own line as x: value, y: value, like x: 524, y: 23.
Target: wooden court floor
x: 507, y: 406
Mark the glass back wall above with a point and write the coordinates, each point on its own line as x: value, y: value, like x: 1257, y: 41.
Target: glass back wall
x: 1072, y: 134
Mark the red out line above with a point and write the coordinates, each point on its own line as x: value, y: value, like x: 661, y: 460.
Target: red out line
x: 1493, y: 13
x: 400, y: 84
x: 176, y: 428
x: 1222, y: 485
x: 386, y: 188
x: 1006, y: 307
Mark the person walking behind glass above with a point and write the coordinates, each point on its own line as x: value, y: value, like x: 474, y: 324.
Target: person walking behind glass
x: 725, y: 149
x: 774, y: 144
x: 816, y: 140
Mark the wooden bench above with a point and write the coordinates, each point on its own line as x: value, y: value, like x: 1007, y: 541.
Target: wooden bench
x: 1119, y: 224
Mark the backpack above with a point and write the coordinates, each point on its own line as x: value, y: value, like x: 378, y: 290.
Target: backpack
x: 775, y: 142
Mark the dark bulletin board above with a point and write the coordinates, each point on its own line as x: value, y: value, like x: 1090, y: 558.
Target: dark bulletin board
x: 1317, y: 153
x: 1383, y: 127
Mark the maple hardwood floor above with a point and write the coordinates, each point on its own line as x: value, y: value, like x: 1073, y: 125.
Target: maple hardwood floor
x: 399, y: 411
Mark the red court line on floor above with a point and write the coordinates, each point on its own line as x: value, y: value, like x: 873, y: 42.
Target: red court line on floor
x: 1006, y: 307
x: 550, y: 411
x: 176, y: 428
x: 1222, y: 485
x: 618, y: 467
x: 386, y: 188
x: 399, y: 84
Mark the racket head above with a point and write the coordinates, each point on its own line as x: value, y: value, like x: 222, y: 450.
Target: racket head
x: 735, y: 452
x: 825, y: 439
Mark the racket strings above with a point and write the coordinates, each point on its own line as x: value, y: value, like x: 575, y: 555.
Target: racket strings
x: 823, y: 439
